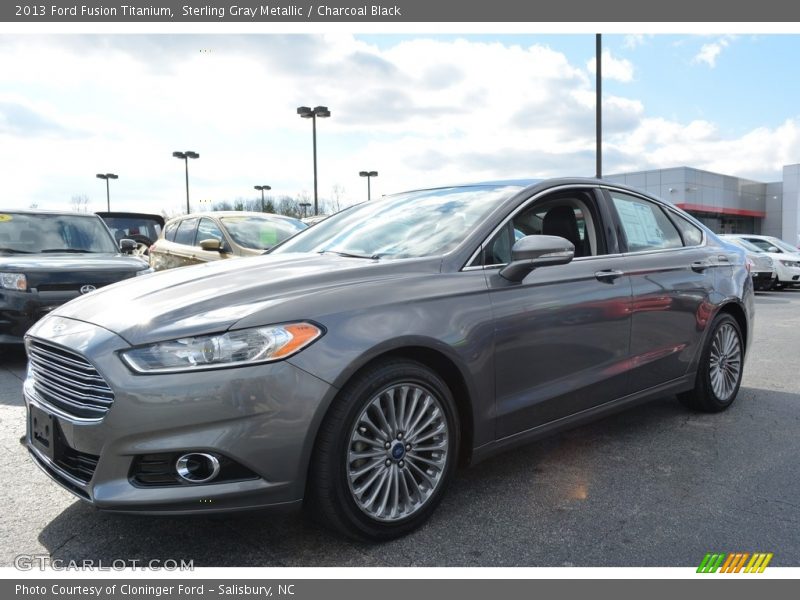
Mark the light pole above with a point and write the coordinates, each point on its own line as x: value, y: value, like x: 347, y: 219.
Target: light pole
x: 312, y: 113
x: 262, y: 188
x: 369, y: 175
x: 304, y: 206
x: 185, y: 156
x: 598, y: 50
x: 107, y: 176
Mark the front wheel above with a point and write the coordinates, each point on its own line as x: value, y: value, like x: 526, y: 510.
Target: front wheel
x: 719, y: 374
x: 385, y: 452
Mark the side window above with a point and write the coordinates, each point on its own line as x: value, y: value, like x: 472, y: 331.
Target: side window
x: 169, y: 231
x: 691, y: 234
x: 571, y: 216
x: 645, y: 225
x: 185, y: 233
x: 208, y: 230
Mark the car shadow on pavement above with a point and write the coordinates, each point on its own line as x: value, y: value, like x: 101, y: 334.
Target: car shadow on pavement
x: 489, y: 516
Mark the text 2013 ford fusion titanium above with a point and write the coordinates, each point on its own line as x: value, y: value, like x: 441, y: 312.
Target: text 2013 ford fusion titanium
x: 359, y: 362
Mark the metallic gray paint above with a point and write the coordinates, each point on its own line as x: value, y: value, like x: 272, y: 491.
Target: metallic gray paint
x: 626, y: 339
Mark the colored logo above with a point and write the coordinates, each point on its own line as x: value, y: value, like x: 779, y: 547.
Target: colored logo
x: 735, y: 562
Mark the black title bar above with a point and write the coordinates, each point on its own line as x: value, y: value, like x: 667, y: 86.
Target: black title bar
x: 400, y: 11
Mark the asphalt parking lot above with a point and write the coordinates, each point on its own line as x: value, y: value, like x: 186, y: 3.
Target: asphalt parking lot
x: 655, y: 486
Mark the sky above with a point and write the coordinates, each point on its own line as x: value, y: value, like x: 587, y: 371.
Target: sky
x: 422, y: 110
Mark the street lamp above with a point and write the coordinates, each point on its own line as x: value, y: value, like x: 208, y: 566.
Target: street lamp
x: 185, y: 156
x: 304, y: 206
x: 369, y: 175
x: 262, y: 188
x: 309, y: 113
x: 107, y: 176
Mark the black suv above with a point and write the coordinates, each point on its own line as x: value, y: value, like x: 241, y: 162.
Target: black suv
x: 49, y: 258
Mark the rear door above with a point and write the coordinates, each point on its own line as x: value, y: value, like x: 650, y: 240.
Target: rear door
x: 672, y: 273
x: 562, y: 334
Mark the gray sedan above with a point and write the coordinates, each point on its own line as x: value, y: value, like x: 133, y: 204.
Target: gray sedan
x: 360, y: 362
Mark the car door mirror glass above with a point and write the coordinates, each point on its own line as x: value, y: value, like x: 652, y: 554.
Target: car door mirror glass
x: 127, y: 246
x: 211, y: 245
x: 533, y: 251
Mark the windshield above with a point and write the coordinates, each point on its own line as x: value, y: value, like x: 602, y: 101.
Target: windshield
x: 30, y: 233
x: 127, y: 227
x: 784, y: 246
x: 416, y: 224
x: 260, y: 233
x: 745, y: 244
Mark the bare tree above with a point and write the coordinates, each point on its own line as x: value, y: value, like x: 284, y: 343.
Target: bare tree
x: 80, y: 203
x: 334, y: 205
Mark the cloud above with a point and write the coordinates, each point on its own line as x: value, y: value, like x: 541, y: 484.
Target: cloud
x: 419, y: 111
x: 709, y: 53
x: 618, y: 69
x: 633, y: 40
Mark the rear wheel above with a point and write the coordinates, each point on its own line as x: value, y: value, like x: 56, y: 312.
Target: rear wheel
x: 385, y: 452
x: 719, y: 374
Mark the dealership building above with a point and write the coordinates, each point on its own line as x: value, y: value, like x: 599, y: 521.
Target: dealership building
x: 727, y: 204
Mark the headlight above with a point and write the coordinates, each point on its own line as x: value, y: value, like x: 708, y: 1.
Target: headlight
x: 230, y: 349
x: 790, y: 263
x: 14, y: 281
x: 146, y: 271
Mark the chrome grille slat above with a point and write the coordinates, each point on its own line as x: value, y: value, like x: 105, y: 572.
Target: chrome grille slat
x: 36, y: 348
x: 38, y: 361
x: 68, y: 382
x: 68, y: 385
x: 81, y: 399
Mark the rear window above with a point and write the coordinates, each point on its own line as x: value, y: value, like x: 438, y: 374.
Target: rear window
x: 185, y: 234
x: 169, y: 231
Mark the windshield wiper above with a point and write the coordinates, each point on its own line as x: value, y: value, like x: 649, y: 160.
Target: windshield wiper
x: 350, y: 254
x: 14, y: 251
x: 69, y: 250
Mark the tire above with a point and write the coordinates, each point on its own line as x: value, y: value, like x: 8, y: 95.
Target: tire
x: 409, y: 470
x: 719, y: 374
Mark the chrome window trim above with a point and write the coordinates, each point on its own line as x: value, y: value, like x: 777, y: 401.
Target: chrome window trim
x: 513, y: 214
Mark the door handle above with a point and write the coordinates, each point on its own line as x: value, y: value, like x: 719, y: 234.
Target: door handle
x: 699, y: 266
x: 608, y: 275
x: 722, y: 258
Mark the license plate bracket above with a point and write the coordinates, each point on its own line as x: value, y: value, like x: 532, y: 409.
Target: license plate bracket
x: 42, y: 431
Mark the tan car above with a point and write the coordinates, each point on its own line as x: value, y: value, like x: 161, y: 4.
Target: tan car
x: 203, y: 237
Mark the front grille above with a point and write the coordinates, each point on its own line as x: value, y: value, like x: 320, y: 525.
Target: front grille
x: 66, y: 287
x: 67, y: 381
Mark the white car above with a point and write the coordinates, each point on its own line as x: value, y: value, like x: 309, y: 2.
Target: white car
x: 762, y: 267
x: 785, y: 257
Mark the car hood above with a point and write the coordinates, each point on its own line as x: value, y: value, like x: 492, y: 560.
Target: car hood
x: 214, y: 296
x: 68, y: 269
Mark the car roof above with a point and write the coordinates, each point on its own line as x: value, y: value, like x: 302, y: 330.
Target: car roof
x: 64, y: 213
x: 234, y: 213
x: 131, y: 215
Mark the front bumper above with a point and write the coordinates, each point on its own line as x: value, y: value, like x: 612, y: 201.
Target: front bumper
x: 262, y: 417
x: 763, y: 279
x: 20, y: 310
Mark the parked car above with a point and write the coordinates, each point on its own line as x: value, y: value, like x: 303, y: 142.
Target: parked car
x: 198, y: 238
x: 785, y: 257
x: 142, y: 228
x: 48, y: 258
x: 762, y: 267
x: 356, y: 364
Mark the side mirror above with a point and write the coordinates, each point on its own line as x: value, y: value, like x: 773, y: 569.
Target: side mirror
x: 211, y: 245
x: 534, y: 251
x: 127, y: 246
x: 773, y: 249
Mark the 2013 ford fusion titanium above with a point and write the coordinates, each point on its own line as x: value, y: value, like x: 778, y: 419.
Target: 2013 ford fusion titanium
x: 359, y: 362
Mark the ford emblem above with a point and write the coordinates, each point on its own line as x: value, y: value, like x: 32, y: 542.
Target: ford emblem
x: 87, y: 288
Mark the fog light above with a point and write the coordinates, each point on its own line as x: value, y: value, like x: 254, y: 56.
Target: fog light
x: 197, y: 467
